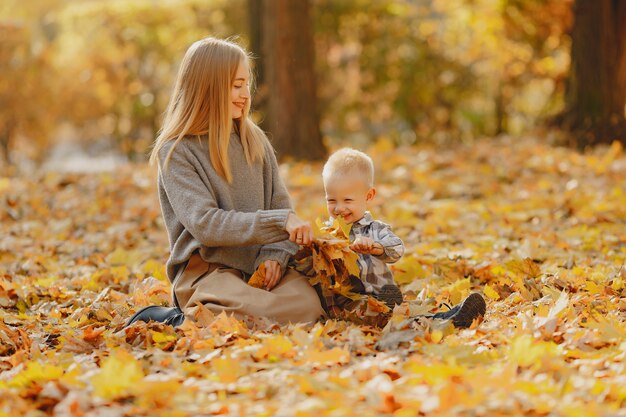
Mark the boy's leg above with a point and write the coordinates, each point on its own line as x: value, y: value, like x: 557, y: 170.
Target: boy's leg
x: 365, y: 310
x: 390, y: 295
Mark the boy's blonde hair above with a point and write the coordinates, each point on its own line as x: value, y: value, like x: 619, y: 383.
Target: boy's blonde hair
x: 346, y: 161
x: 200, y: 105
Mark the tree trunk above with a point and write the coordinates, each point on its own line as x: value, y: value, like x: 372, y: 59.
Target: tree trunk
x: 256, y: 34
x: 288, y: 77
x: 6, y: 136
x: 596, y: 90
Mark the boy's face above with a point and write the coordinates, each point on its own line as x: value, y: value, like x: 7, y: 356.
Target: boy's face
x: 347, y: 197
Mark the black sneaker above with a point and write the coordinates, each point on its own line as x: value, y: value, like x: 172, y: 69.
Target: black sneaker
x: 390, y: 295
x: 168, y: 315
x: 462, y: 315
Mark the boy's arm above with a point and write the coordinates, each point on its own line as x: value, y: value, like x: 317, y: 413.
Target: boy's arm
x: 392, y: 246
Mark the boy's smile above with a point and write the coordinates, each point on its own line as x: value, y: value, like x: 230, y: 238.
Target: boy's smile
x: 347, y: 196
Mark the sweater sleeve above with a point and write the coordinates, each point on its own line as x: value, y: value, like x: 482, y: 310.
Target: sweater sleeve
x: 283, y: 250
x: 195, y: 207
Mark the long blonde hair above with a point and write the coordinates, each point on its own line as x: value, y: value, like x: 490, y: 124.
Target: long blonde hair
x: 200, y: 105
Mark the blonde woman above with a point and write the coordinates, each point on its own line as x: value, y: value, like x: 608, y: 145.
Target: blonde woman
x: 224, y: 204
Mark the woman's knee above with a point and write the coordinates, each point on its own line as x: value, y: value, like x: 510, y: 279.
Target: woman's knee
x: 310, y: 306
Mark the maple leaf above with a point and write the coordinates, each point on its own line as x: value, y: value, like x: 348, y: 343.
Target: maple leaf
x: 526, y: 267
x: 119, y: 375
x: 257, y: 280
x: 491, y: 293
x: 376, y: 306
x: 36, y: 372
x: 338, y: 228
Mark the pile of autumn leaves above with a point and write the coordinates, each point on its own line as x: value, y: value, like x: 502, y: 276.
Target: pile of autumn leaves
x: 328, y: 260
x: 538, y: 230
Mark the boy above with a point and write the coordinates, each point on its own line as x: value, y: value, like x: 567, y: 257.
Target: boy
x: 348, y: 177
x: 349, y: 185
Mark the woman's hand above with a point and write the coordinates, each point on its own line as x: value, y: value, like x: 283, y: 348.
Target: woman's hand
x: 273, y: 274
x: 300, y: 231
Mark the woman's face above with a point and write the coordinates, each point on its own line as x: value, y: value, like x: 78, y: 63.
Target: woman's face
x: 240, y: 91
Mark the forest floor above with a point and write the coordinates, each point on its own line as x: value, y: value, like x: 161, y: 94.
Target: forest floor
x: 540, y: 231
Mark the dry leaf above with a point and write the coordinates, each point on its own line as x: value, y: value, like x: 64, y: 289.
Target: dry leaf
x: 257, y: 280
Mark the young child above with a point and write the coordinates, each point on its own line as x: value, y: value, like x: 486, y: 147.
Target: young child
x: 349, y: 185
x: 348, y: 177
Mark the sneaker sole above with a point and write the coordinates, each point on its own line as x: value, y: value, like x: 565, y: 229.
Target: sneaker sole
x: 472, y: 308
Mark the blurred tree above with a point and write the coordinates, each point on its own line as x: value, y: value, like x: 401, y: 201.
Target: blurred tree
x: 538, y: 30
x: 596, y: 92
x: 125, y: 58
x: 287, y: 84
x: 404, y: 70
x: 29, y: 87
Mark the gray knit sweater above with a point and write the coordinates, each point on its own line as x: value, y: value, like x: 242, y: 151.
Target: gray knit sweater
x: 239, y: 225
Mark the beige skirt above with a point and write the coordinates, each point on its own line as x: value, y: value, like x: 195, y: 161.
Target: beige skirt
x: 220, y: 288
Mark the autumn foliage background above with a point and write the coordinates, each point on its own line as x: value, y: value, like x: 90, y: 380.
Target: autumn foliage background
x: 453, y: 102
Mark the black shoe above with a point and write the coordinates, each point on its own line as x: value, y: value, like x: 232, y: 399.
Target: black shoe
x: 390, y: 295
x: 462, y: 315
x: 168, y: 315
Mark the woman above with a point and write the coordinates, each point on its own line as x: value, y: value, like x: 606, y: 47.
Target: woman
x: 225, y: 206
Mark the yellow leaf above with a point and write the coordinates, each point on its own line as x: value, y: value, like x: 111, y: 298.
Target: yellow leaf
x: 158, y: 394
x: 458, y: 290
x: 120, y: 273
x: 5, y: 184
x: 436, y: 336
x: 525, y: 267
x: 527, y: 351
x: 275, y: 347
x: 434, y: 373
x: 491, y: 293
x: 339, y: 229
x: 72, y: 377
x: 257, y: 280
x: 329, y: 357
x: 319, y: 227
x: 228, y: 369
x: 593, y: 288
x: 119, y: 376
x: 376, y: 306
x: 123, y: 257
x: 36, y: 372
x: 407, y: 270
x: 351, y: 261
x: 345, y: 227
x: 307, y: 384
x: 159, y: 337
x: 155, y: 269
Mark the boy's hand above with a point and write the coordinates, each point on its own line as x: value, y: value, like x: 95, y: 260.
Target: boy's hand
x: 273, y: 274
x: 367, y: 246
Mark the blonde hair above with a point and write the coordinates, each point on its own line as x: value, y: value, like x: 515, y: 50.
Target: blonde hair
x: 200, y: 105
x: 346, y: 161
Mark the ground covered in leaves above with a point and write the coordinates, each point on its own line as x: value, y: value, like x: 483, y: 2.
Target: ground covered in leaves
x: 539, y: 231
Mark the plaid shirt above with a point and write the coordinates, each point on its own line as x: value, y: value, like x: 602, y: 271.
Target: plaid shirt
x: 374, y: 270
